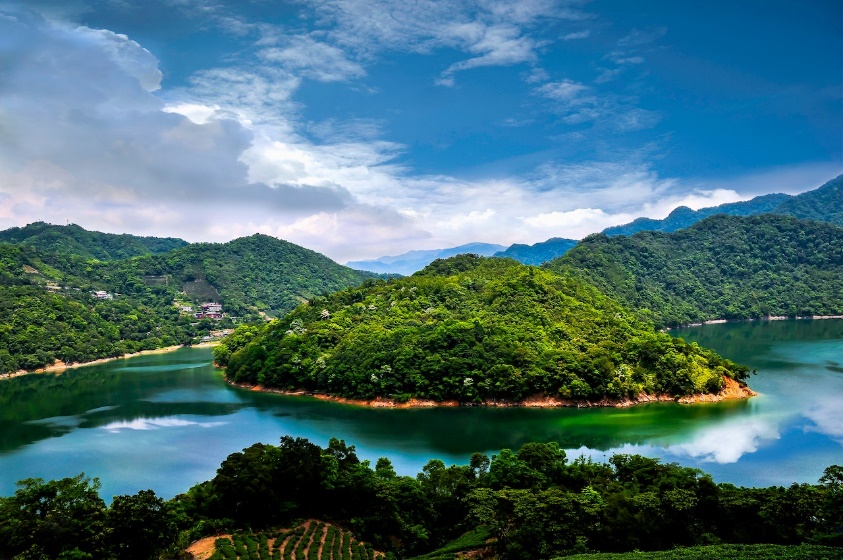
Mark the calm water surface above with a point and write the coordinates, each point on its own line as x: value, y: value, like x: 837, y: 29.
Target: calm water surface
x: 167, y: 421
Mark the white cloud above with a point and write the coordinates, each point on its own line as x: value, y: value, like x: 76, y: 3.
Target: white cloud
x: 577, y: 35
x: 312, y: 59
x: 728, y: 442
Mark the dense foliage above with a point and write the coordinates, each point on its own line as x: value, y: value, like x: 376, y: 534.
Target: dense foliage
x: 533, y: 503
x: 824, y: 204
x: 74, y: 240
x: 723, y: 267
x: 248, y: 275
x: 48, y: 311
x: 538, y: 253
x: 474, y: 330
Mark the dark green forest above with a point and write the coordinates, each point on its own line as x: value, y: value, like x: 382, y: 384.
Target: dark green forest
x: 534, y: 503
x: 723, y: 267
x: 77, y: 241
x: 474, y: 330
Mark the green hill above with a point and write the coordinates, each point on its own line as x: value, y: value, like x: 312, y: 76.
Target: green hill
x: 824, y: 204
x: 723, y: 267
x: 74, y: 240
x: 473, y: 330
x: 48, y: 310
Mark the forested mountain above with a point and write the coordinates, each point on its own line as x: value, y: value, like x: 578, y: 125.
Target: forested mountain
x: 247, y: 275
x: 526, y: 504
x: 413, y: 261
x: 684, y: 217
x: 473, y: 330
x: 538, y: 253
x: 48, y: 310
x: 824, y: 204
x: 723, y: 267
x: 74, y: 240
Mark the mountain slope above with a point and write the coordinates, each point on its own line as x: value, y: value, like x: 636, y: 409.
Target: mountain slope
x: 824, y: 204
x: 683, y: 216
x: 473, y: 330
x: 48, y: 309
x: 538, y: 253
x: 413, y: 261
x: 722, y: 267
x: 74, y: 240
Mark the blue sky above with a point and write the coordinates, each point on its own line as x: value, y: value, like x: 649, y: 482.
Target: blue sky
x: 367, y: 127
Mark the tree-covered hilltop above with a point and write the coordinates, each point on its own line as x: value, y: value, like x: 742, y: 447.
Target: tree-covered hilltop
x: 529, y: 504
x: 248, y: 275
x: 75, y: 240
x: 473, y: 330
x: 824, y: 204
x: 48, y: 311
x: 723, y: 267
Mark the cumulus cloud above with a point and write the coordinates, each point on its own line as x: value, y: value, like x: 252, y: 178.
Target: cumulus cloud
x: 84, y: 138
x: 729, y: 442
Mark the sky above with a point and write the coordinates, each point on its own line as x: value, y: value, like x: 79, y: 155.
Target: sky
x: 361, y: 128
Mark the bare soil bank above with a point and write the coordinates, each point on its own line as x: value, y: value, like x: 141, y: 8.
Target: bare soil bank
x: 731, y: 390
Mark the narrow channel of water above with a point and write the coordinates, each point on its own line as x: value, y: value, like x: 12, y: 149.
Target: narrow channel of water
x: 167, y: 421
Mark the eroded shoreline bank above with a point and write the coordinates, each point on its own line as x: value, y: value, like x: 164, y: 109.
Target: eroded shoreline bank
x: 732, y: 390
x: 59, y: 366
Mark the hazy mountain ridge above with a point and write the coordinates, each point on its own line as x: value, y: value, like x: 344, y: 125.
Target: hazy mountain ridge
x: 413, y: 261
x: 540, y: 252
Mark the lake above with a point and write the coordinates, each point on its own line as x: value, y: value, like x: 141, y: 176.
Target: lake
x: 166, y: 421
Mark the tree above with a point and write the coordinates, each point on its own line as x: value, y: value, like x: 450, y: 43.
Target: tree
x: 139, y: 525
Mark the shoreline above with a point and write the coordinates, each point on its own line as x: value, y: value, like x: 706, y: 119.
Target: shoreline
x: 732, y: 390
x: 59, y: 367
x: 753, y: 319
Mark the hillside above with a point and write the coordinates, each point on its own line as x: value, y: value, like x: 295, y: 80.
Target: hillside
x: 538, y: 253
x: 684, y: 217
x: 74, y: 240
x: 413, y: 261
x: 824, y: 204
x: 472, y: 330
x: 723, y: 267
x: 247, y: 275
x: 48, y: 310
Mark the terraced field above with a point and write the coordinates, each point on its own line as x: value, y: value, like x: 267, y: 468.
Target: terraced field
x: 312, y: 540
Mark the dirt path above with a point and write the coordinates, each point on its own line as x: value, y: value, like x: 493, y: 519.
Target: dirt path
x: 204, y: 548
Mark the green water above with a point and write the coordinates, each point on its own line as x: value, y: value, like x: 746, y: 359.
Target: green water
x: 166, y: 421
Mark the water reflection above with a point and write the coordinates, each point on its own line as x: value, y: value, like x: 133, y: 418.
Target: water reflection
x: 166, y: 421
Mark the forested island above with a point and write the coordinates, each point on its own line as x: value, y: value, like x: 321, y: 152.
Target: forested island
x: 477, y: 331
x: 529, y: 503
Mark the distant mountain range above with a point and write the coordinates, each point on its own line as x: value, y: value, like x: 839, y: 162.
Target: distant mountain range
x: 540, y: 252
x: 413, y: 261
x: 824, y: 204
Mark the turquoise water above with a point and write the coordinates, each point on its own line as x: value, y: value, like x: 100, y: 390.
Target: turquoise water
x: 167, y: 421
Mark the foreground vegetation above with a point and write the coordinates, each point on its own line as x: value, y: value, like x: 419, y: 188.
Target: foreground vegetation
x: 724, y: 267
x: 473, y: 330
x: 530, y: 503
